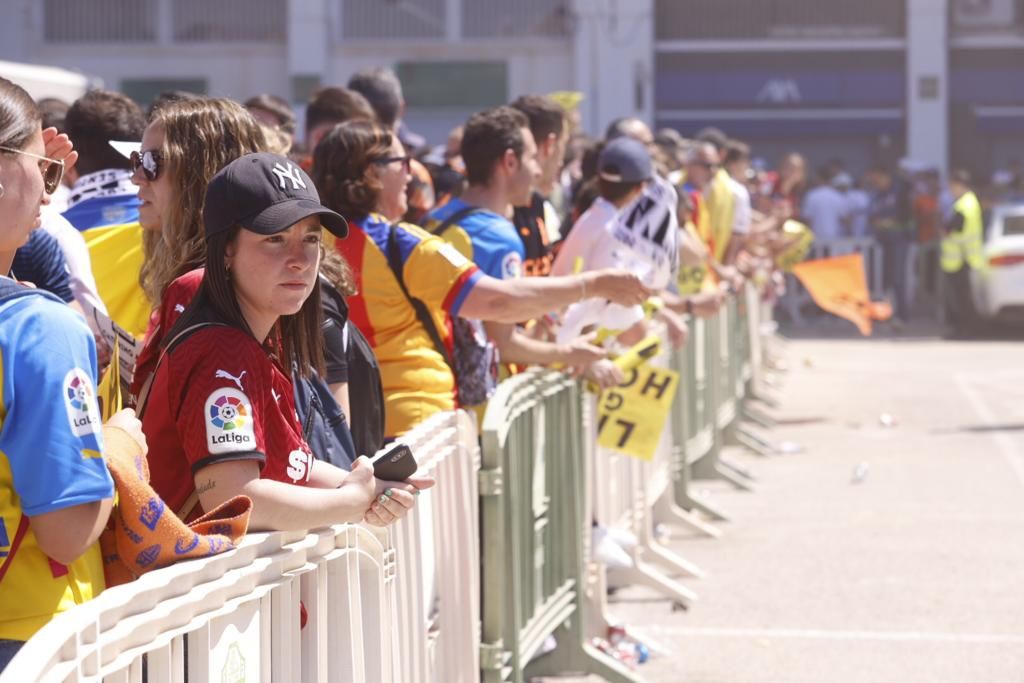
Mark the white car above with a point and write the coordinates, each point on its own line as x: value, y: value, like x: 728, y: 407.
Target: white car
x: 999, y: 287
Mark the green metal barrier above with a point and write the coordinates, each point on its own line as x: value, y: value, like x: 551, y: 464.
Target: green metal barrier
x: 533, y: 486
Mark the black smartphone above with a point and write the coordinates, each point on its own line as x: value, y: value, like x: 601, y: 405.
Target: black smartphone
x: 394, y: 462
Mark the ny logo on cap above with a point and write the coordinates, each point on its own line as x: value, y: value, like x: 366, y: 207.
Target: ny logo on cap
x: 291, y: 173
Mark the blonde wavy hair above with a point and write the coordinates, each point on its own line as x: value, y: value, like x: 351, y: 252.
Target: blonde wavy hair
x: 200, y: 137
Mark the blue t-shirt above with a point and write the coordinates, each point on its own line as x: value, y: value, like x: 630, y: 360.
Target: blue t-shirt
x: 50, y: 454
x: 484, y: 237
x: 42, y: 262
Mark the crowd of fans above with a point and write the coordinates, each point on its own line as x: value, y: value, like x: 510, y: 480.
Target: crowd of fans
x: 300, y: 304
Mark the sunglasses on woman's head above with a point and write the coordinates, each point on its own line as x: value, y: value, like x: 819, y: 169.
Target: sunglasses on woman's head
x: 406, y: 162
x: 148, y: 161
x: 52, y: 169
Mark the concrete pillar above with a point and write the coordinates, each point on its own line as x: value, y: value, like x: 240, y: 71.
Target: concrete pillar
x: 614, y: 60
x: 928, y: 82
x: 309, y: 41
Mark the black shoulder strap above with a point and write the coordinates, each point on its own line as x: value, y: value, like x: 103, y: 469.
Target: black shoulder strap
x: 143, y: 399
x: 394, y: 258
x: 464, y: 212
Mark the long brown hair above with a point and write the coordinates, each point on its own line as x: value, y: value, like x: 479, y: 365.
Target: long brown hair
x: 339, y: 167
x: 201, y: 137
x: 297, y: 337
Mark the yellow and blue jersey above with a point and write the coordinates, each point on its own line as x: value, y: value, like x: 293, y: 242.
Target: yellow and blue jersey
x: 110, y: 225
x: 50, y: 456
x: 484, y: 237
x: 416, y: 379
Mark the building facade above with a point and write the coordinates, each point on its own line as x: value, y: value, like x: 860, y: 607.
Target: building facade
x: 938, y: 81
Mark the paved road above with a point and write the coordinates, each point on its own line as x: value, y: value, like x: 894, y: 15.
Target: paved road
x: 914, y: 574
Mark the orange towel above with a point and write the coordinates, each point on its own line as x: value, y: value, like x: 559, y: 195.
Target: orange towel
x: 839, y: 286
x: 143, y: 534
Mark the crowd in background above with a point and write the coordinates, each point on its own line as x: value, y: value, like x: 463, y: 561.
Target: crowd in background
x: 301, y: 301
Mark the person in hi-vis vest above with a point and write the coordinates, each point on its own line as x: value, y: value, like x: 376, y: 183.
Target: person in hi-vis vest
x: 961, y: 253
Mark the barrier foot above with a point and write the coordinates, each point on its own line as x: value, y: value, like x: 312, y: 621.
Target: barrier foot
x: 753, y: 442
x: 582, y: 658
x: 643, y: 574
x: 667, y: 512
x: 758, y: 417
x: 673, y: 562
x: 736, y: 477
x: 694, y: 503
x: 763, y: 395
x: 608, y: 668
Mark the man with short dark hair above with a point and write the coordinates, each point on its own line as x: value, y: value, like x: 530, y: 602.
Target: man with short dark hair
x: 382, y: 89
x: 537, y: 222
x: 500, y: 155
x: 104, y: 205
x: 330, y: 106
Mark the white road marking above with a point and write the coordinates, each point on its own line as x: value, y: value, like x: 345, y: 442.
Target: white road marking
x: 1007, y: 447
x: 817, y: 634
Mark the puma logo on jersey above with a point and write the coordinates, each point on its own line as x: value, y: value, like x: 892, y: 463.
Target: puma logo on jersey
x: 224, y: 374
x: 178, y: 308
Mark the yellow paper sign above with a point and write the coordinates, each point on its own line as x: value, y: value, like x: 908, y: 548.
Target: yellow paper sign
x: 631, y: 417
x: 109, y: 388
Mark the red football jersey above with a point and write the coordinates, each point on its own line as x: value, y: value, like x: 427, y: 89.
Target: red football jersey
x: 219, y: 396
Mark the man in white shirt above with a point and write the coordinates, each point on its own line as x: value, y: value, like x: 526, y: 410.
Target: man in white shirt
x: 858, y: 206
x: 737, y: 164
x: 630, y: 225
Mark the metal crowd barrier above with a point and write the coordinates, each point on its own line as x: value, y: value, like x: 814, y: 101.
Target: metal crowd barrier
x: 380, y: 605
x: 533, y: 516
x: 491, y: 578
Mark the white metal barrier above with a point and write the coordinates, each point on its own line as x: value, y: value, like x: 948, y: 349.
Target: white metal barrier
x: 398, y: 605
x: 633, y: 495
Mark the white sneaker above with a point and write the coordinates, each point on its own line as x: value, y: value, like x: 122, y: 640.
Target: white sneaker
x: 626, y: 539
x: 607, y: 551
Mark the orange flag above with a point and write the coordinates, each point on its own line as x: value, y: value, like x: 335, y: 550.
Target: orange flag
x: 839, y: 286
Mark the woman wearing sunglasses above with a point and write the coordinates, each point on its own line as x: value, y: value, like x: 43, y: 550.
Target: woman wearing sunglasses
x: 361, y: 171
x: 184, y: 145
x: 221, y: 414
x: 182, y: 148
x: 55, y: 491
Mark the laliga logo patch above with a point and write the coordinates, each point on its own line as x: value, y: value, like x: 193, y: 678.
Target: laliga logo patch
x: 511, y: 266
x: 80, y: 402
x: 229, y: 422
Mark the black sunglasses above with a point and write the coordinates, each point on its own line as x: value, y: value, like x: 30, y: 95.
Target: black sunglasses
x: 148, y: 161
x: 406, y: 162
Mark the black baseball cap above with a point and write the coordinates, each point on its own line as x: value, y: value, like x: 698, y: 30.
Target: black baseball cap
x: 624, y: 160
x: 265, y: 193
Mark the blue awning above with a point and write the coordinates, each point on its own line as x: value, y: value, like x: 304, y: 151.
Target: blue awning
x: 795, y: 123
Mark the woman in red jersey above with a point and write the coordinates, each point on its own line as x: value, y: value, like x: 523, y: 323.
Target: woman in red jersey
x: 221, y: 404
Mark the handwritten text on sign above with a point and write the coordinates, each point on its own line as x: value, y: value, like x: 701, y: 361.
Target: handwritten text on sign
x: 630, y: 417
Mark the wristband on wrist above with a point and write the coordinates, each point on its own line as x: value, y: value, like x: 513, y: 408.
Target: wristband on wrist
x: 688, y: 306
